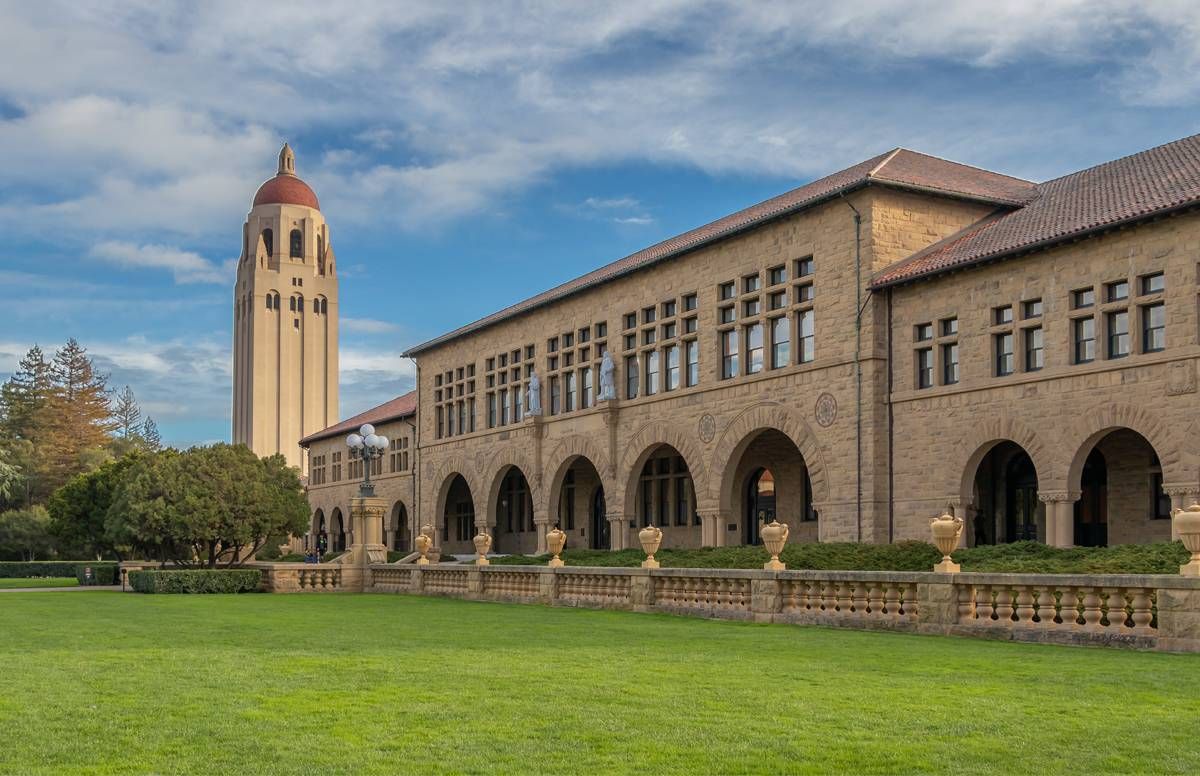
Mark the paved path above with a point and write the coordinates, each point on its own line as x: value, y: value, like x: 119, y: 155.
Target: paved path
x: 74, y: 589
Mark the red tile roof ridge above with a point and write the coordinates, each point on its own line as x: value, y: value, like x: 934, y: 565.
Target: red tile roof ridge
x: 402, y: 406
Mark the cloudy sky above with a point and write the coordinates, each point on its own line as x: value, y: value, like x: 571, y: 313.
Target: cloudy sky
x: 469, y: 155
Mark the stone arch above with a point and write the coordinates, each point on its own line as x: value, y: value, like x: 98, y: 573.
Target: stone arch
x: 742, y: 430
x: 318, y: 517
x: 510, y: 458
x: 1177, y: 467
x: 564, y: 455
x: 958, y: 484
x: 399, y: 521
x: 442, y: 478
x: 640, y: 447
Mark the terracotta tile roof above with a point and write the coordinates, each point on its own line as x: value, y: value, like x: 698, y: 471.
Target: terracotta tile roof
x: 286, y: 189
x: 1136, y: 187
x: 399, y: 407
x: 899, y: 167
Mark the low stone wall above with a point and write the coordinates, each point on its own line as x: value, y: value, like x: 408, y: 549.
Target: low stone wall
x: 1138, y: 611
x: 302, y: 577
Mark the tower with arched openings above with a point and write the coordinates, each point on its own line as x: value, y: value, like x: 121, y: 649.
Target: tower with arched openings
x: 285, y: 325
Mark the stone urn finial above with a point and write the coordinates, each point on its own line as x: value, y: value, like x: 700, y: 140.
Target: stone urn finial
x: 556, y: 539
x: 1187, y: 525
x: 483, y: 543
x: 651, y: 538
x: 774, y: 536
x: 424, y: 543
x: 946, y: 530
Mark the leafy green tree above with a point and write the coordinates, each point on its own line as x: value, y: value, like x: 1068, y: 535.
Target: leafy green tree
x: 79, y: 509
x: 207, y: 506
x: 25, y: 534
x: 10, y: 478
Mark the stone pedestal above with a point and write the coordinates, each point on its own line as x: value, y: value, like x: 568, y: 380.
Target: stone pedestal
x: 366, y: 515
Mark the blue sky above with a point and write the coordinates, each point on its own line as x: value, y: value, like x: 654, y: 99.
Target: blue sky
x: 470, y: 155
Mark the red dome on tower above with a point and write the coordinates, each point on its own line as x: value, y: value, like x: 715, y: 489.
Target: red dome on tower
x: 285, y: 188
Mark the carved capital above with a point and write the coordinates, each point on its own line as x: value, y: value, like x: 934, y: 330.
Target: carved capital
x: 1048, y: 496
x: 1181, y: 489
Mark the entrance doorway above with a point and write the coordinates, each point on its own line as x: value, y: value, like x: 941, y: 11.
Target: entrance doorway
x: 1021, y: 501
x: 760, y: 504
x: 1091, y: 510
x: 600, y: 537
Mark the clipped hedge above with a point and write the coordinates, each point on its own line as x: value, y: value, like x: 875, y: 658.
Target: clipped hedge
x: 45, y: 568
x: 102, y: 573
x: 196, y: 581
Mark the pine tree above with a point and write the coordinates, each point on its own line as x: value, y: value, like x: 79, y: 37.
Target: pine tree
x: 150, y: 435
x: 82, y: 396
x: 26, y: 394
x: 127, y: 414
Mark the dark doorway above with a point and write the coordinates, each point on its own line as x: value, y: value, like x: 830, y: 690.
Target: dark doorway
x: 1005, y: 496
x: 1091, y: 510
x: 1021, y: 500
x: 760, y: 503
x: 339, y: 535
x: 600, y: 537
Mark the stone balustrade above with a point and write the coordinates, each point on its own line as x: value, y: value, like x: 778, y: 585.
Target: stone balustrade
x: 1139, y: 611
x: 300, y: 577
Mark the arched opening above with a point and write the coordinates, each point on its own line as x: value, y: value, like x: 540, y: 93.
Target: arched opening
x: 296, y: 247
x: 666, y: 497
x: 319, y: 540
x: 1004, y: 498
x: 458, y: 518
x: 1120, y: 485
x: 578, y: 505
x: 515, y: 529
x: 398, y: 528
x: 338, y: 543
x: 269, y: 241
x: 769, y: 481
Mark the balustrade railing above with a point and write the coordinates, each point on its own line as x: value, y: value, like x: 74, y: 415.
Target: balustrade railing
x: 869, y: 599
x: 1063, y: 607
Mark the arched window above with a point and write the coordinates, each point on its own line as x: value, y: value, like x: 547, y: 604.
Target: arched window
x: 292, y: 304
x: 269, y: 241
x: 297, y: 244
x: 269, y: 301
x: 300, y: 303
x: 321, y: 247
x: 323, y: 306
x: 317, y: 306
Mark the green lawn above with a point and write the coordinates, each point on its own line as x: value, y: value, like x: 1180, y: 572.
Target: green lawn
x: 122, y: 683
x: 8, y: 584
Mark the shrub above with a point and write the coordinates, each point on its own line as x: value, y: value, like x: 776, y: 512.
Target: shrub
x: 45, y: 568
x: 196, y: 581
x: 102, y: 573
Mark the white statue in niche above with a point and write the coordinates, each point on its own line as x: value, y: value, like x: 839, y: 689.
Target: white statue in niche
x: 535, y: 396
x: 607, y: 389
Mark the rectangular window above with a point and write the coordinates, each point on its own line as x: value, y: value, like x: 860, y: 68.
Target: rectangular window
x: 754, y: 349
x: 1116, y: 292
x: 1004, y: 354
x: 672, y: 354
x: 669, y: 330
x: 777, y: 300
x: 750, y: 308
x: 689, y: 302
x: 689, y: 325
x: 923, y: 331
x: 1085, y: 340
x: 805, y: 333
x: 726, y: 315
x: 505, y: 407
x: 950, y: 363
x: 668, y: 309
x: 1003, y: 315
x: 649, y: 336
x: 555, y: 396
x: 630, y: 341
x: 691, y: 352
x: 1084, y: 297
x: 1154, y: 328
x: 1118, y: 333
x: 781, y: 342
x: 441, y: 424
x: 462, y: 417
x: 925, y: 367
x: 649, y: 315
x: 601, y: 333
x: 949, y: 327
x: 750, y: 284
x: 1031, y: 308
x: 725, y: 291
x: 632, y: 379
x: 804, y: 293
x: 569, y: 392
x: 729, y: 354
x: 681, y: 501
x: 778, y: 275
x: 450, y: 419
x: 491, y: 404
x: 585, y: 399
x: 1153, y: 284
x: 804, y: 267
x: 518, y: 402
x: 1034, y: 355
x: 630, y: 320
x: 652, y: 373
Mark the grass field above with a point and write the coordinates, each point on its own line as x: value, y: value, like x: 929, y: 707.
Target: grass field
x: 8, y: 584
x: 107, y: 682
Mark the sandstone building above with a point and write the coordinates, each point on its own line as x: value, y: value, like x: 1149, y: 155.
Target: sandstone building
x: 854, y: 356
x: 285, y: 333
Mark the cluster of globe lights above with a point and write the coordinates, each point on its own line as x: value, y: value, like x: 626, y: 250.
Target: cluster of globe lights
x: 366, y: 438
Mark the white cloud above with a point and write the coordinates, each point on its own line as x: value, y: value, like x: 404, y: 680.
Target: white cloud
x: 186, y: 266
x: 366, y: 326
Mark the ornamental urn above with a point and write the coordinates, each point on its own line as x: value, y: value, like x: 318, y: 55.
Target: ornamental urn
x: 556, y: 539
x: 423, y: 543
x: 1187, y: 525
x: 774, y: 536
x: 483, y: 543
x: 651, y: 538
x: 946, y: 531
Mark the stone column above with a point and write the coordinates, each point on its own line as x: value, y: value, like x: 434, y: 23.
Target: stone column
x: 618, y: 531
x: 958, y: 508
x: 366, y: 517
x: 1060, y: 516
x: 541, y: 524
x: 712, y: 527
x: 1182, y: 497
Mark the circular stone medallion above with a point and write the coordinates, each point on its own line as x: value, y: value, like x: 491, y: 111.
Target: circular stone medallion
x: 825, y: 410
x: 707, y: 428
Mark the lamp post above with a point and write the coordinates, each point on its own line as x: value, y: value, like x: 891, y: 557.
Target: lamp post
x: 369, y: 446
